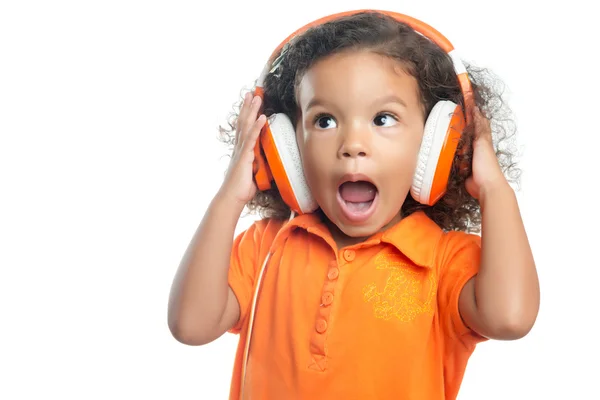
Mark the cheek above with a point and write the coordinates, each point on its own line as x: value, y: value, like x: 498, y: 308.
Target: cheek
x: 410, y: 157
x: 309, y: 155
x: 312, y: 147
x: 402, y: 160
x: 315, y: 160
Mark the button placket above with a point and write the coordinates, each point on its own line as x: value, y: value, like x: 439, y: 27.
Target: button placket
x: 327, y: 293
x: 322, y: 324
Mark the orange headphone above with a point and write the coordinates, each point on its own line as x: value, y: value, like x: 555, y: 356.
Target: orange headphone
x: 281, y: 162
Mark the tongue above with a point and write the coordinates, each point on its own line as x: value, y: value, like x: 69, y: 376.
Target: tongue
x: 357, y: 192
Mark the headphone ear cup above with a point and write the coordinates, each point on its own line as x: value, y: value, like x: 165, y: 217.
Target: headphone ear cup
x: 283, y: 157
x: 442, y: 132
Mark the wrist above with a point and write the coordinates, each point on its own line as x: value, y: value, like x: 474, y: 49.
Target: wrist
x: 499, y: 189
x: 229, y: 201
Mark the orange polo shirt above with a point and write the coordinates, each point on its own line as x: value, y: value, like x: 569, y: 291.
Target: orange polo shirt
x: 376, y: 320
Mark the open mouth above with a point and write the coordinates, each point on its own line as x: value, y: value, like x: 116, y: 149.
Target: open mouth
x: 357, y: 199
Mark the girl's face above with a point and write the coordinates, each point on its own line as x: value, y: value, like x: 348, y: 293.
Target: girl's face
x: 359, y: 132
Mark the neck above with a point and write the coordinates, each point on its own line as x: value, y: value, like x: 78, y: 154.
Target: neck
x: 342, y: 240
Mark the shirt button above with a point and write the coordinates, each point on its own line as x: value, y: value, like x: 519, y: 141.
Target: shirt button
x: 333, y: 273
x: 327, y: 298
x: 349, y: 255
x: 321, y: 326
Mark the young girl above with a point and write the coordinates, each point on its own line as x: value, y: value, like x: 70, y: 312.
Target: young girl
x: 366, y: 278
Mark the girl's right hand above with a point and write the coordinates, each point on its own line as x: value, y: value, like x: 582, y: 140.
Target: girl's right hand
x: 239, y: 183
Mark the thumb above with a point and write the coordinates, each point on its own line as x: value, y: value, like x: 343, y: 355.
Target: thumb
x: 472, y: 187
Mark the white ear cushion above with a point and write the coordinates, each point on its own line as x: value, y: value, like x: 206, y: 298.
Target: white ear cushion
x: 284, y: 137
x: 435, y: 131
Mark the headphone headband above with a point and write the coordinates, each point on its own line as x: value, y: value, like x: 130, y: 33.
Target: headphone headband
x: 419, y: 26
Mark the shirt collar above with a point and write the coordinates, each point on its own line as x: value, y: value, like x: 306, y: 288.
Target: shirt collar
x: 416, y: 235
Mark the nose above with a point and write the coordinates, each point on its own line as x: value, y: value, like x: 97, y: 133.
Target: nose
x: 355, y: 143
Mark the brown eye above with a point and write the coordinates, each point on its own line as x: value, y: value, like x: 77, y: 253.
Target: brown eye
x: 325, y: 122
x: 385, y: 120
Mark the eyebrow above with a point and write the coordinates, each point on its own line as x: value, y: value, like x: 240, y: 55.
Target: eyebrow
x: 391, y: 99
x: 315, y: 101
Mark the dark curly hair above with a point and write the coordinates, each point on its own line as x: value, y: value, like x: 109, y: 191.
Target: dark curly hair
x: 437, y: 80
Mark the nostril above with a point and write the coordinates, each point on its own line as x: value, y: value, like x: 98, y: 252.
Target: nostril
x: 359, y: 154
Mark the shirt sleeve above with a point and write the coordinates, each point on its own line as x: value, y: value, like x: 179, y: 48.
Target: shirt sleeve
x: 247, y: 254
x: 460, y: 261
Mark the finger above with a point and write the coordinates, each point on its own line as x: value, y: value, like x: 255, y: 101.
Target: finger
x: 254, y: 133
x: 471, y: 187
x: 252, y: 115
x: 482, y: 125
x: 242, y: 116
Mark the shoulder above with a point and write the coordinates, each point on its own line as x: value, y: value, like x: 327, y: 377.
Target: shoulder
x: 267, y: 226
x: 453, y: 242
x: 428, y: 243
x: 458, y: 256
x: 260, y: 232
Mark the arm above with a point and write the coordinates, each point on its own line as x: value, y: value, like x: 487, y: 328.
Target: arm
x: 202, y: 306
x: 502, y: 300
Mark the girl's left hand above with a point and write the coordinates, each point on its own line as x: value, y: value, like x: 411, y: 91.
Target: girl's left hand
x: 486, y: 169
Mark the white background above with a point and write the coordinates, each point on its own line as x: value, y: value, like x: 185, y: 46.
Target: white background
x: 108, y: 158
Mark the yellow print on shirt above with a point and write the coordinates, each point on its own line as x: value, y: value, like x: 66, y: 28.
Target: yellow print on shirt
x: 409, y: 291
